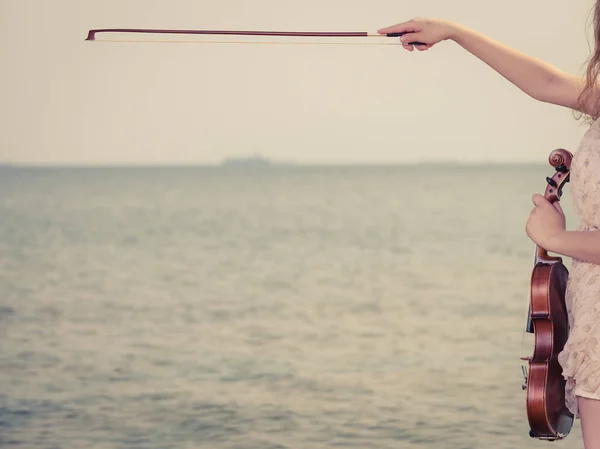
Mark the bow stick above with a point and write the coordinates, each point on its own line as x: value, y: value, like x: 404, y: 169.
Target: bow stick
x: 92, y: 34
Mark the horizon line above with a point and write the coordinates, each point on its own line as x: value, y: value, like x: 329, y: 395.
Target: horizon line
x: 270, y: 165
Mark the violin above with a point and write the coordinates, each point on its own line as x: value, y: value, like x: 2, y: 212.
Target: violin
x: 549, y: 418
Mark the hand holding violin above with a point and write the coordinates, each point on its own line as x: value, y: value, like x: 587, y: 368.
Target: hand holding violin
x: 546, y: 223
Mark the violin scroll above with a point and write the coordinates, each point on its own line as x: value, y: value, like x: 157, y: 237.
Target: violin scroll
x: 561, y: 160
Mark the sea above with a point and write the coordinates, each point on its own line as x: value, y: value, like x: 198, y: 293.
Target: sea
x: 283, y: 307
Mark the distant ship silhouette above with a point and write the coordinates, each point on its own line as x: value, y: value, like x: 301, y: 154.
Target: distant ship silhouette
x: 256, y: 161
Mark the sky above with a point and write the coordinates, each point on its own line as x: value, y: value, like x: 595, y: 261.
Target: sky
x: 67, y: 101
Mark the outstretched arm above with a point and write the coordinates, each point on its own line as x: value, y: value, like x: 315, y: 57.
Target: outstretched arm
x: 538, y: 79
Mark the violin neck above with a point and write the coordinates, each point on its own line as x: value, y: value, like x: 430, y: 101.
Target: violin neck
x: 542, y: 256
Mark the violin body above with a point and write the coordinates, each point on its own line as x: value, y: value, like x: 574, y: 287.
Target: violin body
x: 549, y: 418
x: 546, y: 410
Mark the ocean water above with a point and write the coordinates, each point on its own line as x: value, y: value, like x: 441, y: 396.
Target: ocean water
x: 306, y: 307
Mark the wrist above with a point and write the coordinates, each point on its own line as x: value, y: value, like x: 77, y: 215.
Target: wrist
x: 454, y: 31
x: 556, y: 244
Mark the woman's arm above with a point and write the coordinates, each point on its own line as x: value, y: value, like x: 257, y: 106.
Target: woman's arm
x: 538, y: 79
x: 581, y: 245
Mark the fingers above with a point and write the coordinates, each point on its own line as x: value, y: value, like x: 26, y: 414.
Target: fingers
x: 422, y: 47
x: 538, y: 199
x: 418, y: 47
x: 558, y: 207
x: 412, y: 37
x: 404, y: 27
x: 416, y: 40
x: 406, y: 45
x: 411, y: 30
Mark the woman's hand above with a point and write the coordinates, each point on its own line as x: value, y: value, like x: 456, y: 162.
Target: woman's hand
x: 428, y: 31
x: 546, y: 223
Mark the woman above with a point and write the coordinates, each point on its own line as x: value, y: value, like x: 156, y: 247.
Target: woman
x: 580, y: 359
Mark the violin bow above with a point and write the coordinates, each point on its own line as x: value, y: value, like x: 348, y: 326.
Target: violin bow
x: 359, y: 34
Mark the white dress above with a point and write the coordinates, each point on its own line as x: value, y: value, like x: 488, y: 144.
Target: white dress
x: 580, y: 359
